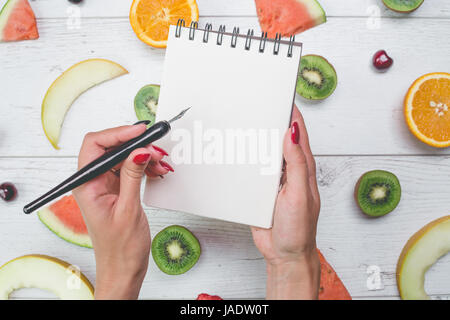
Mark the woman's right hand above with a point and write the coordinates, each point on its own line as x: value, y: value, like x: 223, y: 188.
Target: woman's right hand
x: 111, y: 207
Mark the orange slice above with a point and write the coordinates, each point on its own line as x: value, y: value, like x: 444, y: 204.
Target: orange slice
x: 427, y: 109
x: 150, y: 19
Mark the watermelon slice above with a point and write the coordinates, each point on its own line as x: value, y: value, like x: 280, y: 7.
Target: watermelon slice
x: 331, y: 287
x: 64, y: 218
x: 17, y: 21
x: 288, y: 17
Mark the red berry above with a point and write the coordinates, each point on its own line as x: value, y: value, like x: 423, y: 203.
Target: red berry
x: 8, y: 191
x: 205, y: 296
x: 381, y: 60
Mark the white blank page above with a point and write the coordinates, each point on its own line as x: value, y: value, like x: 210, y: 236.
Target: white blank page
x: 227, y: 149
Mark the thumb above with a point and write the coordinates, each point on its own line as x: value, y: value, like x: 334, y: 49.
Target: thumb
x: 296, y: 165
x: 131, y: 174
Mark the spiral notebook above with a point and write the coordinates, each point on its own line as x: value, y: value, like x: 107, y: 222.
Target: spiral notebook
x: 227, y: 149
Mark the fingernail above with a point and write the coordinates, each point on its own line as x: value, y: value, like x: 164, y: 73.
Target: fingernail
x: 146, y: 122
x: 141, y: 158
x: 162, y: 151
x: 295, y: 133
x: 166, y: 166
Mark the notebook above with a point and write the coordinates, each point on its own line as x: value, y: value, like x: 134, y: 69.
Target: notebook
x: 227, y: 149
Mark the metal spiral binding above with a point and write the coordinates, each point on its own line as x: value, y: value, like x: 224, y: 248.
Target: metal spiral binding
x: 220, y: 34
x: 234, y: 37
x: 192, y: 28
x: 208, y: 28
x: 262, y: 42
x: 276, y: 44
x: 248, y: 39
x: 291, y: 46
x: 180, y: 23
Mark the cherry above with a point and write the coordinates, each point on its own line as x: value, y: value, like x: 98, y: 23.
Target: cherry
x: 381, y: 60
x: 8, y: 191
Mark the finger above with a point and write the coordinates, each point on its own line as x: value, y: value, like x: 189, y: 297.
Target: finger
x: 160, y: 168
x: 306, y: 147
x: 130, y: 177
x: 156, y: 154
x: 297, y: 176
x: 95, y: 143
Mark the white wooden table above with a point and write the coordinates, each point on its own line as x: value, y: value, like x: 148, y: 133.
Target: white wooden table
x: 359, y: 128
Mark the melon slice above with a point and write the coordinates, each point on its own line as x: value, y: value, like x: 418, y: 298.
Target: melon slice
x: 47, y: 273
x: 68, y: 87
x: 64, y: 218
x: 17, y: 21
x: 288, y: 17
x: 331, y: 287
x: 421, y: 251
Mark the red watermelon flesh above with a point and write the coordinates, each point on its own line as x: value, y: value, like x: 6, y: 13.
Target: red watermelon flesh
x: 17, y: 21
x: 205, y: 296
x: 288, y: 17
x: 331, y: 287
x: 64, y: 218
x: 68, y: 212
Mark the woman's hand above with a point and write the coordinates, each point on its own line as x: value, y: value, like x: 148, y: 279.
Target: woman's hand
x: 289, y: 248
x: 112, y: 210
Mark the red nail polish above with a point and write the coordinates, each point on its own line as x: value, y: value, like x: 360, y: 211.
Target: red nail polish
x: 166, y: 166
x: 295, y: 133
x: 141, y: 158
x: 160, y: 150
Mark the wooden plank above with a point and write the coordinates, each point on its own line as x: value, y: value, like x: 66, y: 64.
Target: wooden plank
x: 333, y: 8
x: 230, y: 265
x: 363, y: 116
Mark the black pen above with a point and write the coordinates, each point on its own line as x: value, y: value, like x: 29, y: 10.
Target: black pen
x: 104, y: 163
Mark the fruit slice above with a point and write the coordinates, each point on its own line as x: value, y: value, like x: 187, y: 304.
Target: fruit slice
x: 47, y: 273
x: 146, y: 103
x: 427, y: 111
x: 205, y: 296
x: 17, y: 21
x: 403, y: 6
x: 151, y: 19
x: 68, y: 86
x: 288, y: 17
x: 64, y: 218
x: 175, y: 250
x: 421, y: 251
x: 331, y: 287
x: 377, y: 192
x: 317, y: 78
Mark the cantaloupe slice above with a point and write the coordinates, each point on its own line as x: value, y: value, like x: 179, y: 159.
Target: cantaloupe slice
x: 64, y: 218
x: 17, y: 21
x: 47, y: 273
x: 421, y: 251
x: 68, y: 86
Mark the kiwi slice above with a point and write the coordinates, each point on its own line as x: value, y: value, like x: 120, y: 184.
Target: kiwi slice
x: 175, y: 250
x: 403, y: 6
x: 146, y: 103
x: 316, y: 79
x: 377, y: 192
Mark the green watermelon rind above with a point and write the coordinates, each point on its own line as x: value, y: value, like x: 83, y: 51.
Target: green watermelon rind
x: 315, y: 8
x: 5, y: 13
x: 48, y: 218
